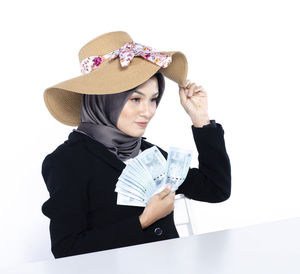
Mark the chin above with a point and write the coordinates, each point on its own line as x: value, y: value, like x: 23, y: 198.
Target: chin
x: 136, y: 133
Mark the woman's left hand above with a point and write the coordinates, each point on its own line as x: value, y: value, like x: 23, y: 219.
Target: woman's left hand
x: 193, y: 98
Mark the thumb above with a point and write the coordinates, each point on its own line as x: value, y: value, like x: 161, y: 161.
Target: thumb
x: 165, y: 192
x: 182, y: 94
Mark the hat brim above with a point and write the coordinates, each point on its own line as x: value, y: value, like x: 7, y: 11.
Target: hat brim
x: 63, y: 100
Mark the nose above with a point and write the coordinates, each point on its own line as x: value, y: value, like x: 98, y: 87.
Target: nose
x: 146, y: 110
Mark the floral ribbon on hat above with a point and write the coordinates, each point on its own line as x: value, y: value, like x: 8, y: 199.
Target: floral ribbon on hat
x: 126, y: 54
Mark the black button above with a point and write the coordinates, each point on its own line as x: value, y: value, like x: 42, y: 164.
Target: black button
x: 158, y: 231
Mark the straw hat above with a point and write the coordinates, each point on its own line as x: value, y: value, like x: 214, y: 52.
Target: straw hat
x: 111, y: 63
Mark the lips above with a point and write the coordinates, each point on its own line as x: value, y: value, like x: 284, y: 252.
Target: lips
x: 142, y: 124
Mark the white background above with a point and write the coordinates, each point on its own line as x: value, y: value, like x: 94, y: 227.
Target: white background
x: 244, y: 53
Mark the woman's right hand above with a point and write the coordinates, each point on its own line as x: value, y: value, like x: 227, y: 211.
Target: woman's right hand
x: 159, y: 206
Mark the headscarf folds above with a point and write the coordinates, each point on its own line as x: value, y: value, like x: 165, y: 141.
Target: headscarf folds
x: 99, y: 116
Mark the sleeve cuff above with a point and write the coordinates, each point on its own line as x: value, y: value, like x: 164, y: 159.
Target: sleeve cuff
x: 211, y: 124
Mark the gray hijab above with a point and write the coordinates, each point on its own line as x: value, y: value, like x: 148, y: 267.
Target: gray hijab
x: 99, y: 116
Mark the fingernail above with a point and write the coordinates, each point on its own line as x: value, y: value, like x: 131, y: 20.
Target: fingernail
x: 169, y: 186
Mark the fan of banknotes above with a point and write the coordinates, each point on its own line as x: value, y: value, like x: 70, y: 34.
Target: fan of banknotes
x: 148, y: 173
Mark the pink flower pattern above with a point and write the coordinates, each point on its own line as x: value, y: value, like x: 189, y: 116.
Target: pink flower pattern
x: 126, y: 53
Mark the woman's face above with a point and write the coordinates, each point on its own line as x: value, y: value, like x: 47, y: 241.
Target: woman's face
x: 140, y: 108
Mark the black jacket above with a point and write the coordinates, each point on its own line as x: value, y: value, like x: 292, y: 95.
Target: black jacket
x: 81, y: 175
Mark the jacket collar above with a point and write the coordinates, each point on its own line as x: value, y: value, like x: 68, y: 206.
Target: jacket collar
x: 99, y: 150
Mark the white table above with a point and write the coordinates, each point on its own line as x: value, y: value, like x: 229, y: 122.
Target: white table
x: 265, y: 248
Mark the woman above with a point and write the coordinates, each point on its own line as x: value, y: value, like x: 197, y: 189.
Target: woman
x: 111, y: 104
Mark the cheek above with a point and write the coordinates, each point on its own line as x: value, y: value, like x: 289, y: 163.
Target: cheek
x: 129, y: 114
x: 153, y: 110
x: 126, y: 114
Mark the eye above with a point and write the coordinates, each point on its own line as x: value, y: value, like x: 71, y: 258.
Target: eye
x: 135, y: 99
x: 154, y: 99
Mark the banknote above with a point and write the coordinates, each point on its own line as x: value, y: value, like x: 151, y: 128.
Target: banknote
x: 146, y: 172
x: 149, y: 173
x: 155, y: 163
x: 144, y: 182
x: 128, y: 201
x: 178, y: 164
x: 129, y: 194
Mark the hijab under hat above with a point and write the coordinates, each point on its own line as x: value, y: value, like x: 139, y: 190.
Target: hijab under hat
x: 99, y: 116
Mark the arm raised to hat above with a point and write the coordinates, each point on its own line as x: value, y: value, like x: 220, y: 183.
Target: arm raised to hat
x: 211, y: 181
x: 193, y: 98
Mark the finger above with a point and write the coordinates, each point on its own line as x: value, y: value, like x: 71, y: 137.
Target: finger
x: 165, y: 192
x: 202, y: 92
x: 185, y: 84
x: 200, y: 88
x: 186, y: 91
x: 171, y: 197
x: 182, y: 95
x: 191, y: 90
x: 197, y: 89
x: 183, y: 90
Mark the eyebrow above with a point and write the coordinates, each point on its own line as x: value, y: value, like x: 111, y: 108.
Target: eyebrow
x: 136, y: 91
